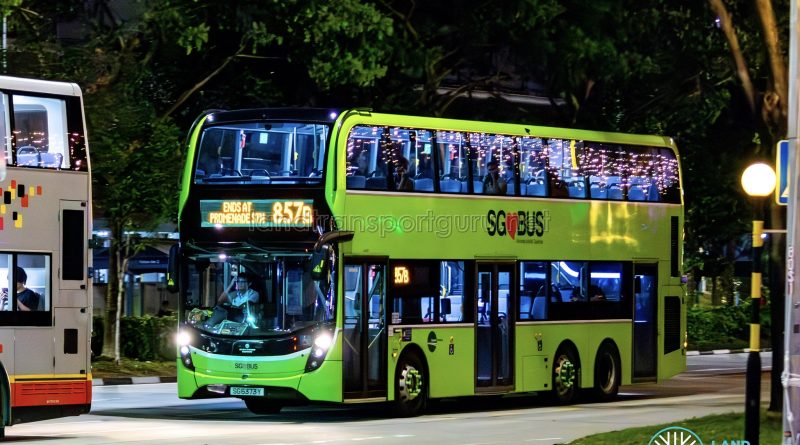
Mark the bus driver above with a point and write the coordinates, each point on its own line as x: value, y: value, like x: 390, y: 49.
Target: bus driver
x: 244, y: 293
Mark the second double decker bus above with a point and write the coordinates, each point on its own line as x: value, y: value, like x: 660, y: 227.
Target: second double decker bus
x: 356, y: 256
x: 45, y: 229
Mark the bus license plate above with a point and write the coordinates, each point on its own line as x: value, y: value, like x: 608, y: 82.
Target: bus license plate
x: 239, y: 391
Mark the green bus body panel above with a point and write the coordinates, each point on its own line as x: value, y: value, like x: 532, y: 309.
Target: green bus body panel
x: 407, y: 226
x: 280, y: 366
x: 675, y: 362
x: 322, y: 384
x: 454, y: 375
x: 450, y: 375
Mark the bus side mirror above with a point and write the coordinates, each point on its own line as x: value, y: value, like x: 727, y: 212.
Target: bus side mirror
x: 321, y: 262
x: 173, y: 269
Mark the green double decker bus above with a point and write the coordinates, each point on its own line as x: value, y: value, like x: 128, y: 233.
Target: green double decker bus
x: 351, y: 256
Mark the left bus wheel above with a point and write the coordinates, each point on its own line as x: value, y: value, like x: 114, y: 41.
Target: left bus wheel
x: 410, y: 386
x: 565, y: 376
x: 261, y: 406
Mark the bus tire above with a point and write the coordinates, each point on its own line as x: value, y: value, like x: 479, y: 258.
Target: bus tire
x: 607, y: 372
x: 263, y: 406
x: 566, y: 370
x: 410, y: 385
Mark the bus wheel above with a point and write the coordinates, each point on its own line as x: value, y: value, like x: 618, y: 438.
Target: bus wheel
x: 607, y: 375
x: 565, y: 376
x: 263, y: 406
x: 410, y: 386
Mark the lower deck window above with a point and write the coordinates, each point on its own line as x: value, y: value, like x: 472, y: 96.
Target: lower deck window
x: 25, y: 289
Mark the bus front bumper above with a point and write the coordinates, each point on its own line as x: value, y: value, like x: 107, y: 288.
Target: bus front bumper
x: 214, y: 379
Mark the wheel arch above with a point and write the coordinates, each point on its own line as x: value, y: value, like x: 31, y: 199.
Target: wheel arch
x: 568, y: 344
x: 415, y: 349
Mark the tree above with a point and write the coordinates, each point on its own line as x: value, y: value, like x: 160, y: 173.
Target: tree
x: 767, y: 99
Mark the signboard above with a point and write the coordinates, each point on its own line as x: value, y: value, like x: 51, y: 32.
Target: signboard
x: 782, y: 171
x: 256, y: 213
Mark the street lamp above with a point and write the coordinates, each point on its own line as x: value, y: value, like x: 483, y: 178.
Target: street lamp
x: 758, y: 181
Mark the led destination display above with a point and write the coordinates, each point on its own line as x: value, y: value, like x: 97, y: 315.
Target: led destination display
x: 256, y: 213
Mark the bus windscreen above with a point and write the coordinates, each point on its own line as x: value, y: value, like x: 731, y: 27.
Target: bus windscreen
x: 262, y: 153
x: 244, y: 295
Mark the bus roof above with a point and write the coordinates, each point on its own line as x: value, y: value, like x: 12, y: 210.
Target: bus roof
x: 39, y: 86
x: 366, y: 116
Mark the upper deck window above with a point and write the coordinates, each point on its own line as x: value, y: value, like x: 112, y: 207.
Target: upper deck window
x: 262, y: 153
x: 47, y: 132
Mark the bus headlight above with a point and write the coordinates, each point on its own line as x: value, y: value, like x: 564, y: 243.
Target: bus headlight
x: 183, y: 338
x: 322, y: 343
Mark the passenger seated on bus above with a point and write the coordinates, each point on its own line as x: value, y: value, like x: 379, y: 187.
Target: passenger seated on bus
x: 362, y: 164
x: 402, y: 181
x: 493, y: 183
x: 27, y: 300
x: 596, y: 293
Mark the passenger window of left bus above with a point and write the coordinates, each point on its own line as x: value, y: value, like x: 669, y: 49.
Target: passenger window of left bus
x: 26, y: 286
x: 5, y: 136
x: 40, y: 128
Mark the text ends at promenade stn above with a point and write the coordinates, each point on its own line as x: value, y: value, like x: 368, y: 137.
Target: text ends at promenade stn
x: 256, y: 213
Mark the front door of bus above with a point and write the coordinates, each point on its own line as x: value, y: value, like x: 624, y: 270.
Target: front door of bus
x: 645, y: 321
x: 494, y: 324
x: 364, y: 333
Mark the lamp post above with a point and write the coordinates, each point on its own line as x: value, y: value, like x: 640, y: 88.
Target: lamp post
x: 758, y: 181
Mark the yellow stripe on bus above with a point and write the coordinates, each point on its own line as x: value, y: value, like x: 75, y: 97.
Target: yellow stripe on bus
x: 49, y: 377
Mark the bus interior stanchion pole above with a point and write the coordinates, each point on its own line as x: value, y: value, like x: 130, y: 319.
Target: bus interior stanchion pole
x: 753, y: 377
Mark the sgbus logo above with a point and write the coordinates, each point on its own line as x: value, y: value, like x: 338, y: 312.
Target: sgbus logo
x: 522, y: 223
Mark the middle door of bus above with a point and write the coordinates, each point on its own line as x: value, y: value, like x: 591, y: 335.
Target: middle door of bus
x: 494, y: 326
x: 364, y: 333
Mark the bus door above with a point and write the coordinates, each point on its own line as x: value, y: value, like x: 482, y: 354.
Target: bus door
x: 73, y: 318
x: 364, y: 333
x: 645, y: 321
x: 494, y: 326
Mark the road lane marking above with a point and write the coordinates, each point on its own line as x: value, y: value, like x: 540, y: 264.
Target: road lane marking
x: 543, y: 438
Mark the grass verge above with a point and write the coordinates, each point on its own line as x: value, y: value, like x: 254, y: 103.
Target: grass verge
x: 104, y: 367
x: 718, y: 428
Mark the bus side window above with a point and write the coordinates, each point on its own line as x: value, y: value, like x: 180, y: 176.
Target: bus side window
x: 41, y: 130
